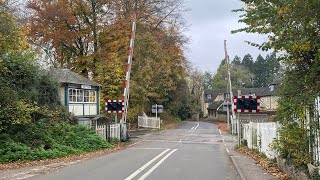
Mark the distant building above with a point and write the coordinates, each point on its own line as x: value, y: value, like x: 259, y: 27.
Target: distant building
x: 79, y: 94
x: 214, y: 102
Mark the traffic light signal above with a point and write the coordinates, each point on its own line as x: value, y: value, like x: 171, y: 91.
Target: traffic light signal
x: 115, y: 106
x: 247, y: 104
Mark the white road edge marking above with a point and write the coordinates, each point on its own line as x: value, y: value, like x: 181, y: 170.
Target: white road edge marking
x: 134, y: 144
x: 146, y: 165
x: 156, y: 165
x: 197, y: 126
x: 227, y: 150
x: 220, y: 131
x: 27, y: 176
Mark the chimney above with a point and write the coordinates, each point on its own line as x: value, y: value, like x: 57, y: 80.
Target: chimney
x: 271, y: 86
x: 239, y: 92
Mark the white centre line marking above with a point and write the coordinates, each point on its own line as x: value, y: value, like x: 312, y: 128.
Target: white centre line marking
x: 220, y: 131
x: 192, y: 128
x: 146, y: 165
x: 147, y: 148
x: 197, y: 126
x: 227, y: 150
x: 156, y: 165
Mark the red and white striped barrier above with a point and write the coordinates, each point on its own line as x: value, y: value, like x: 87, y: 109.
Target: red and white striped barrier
x: 128, y: 69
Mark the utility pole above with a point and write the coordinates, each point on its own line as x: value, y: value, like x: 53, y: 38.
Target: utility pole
x: 229, y: 87
x: 227, y: 67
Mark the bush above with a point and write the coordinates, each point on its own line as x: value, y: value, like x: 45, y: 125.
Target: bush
x: 36, y: 141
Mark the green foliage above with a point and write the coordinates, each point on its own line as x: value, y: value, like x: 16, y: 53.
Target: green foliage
x: 36, y: 141
x: 27, y: 94
x: 239, y: 77
x: 266, y: 70
x: 248, y: 73
x: 315, y: 174
x: 293, y: 29
x: 207, y: 80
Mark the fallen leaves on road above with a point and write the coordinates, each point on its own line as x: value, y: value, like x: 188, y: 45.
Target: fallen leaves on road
x: 223, y: 126
x: 264, y: 163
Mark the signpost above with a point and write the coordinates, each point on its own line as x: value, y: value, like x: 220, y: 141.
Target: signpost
x: 245, y: 104
x: 157, y: 109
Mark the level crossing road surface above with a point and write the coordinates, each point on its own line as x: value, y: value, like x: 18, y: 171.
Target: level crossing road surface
x: 192, y: 151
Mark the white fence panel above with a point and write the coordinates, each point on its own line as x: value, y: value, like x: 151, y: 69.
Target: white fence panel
x: 260, y: 136
x: 149, y: 122
x: 268, y: 133
x: 115, y: 131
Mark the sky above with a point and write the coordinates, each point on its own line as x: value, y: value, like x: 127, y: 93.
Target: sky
x: 210, y: 22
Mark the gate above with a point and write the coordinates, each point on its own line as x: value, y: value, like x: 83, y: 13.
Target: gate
x: 149, y: 122
x: 114, y: 131
x: 101, y: 130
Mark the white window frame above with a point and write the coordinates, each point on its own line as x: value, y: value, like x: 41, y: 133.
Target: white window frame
x: 80, y: 95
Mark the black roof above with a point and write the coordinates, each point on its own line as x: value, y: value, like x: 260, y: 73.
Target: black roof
x: 214, y: 105
x: 67, y: 76
x: 214, y: 93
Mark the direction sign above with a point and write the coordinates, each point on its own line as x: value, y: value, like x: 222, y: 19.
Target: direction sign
x: 157, y: 108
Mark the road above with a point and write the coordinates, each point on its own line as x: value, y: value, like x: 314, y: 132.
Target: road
x: 193, y: 151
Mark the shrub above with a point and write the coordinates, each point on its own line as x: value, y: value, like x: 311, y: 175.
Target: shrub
x: 36, y: 141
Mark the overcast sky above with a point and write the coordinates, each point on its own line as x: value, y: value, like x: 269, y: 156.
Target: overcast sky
x: 210, y: 23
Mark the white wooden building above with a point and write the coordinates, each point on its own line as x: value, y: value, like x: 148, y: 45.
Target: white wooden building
x: 79, y: 94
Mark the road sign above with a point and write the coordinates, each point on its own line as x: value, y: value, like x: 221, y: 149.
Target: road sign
x: 114, y: 106
x: 246, y: 104
x: 157, y: 108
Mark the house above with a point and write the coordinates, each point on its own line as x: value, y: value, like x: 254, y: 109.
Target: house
x: 79, y: 94
x: 209, y: 96
x: 214, y: 103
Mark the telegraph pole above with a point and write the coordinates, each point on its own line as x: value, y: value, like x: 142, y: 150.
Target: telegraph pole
x: 227, y: 67
x: 229, y: 87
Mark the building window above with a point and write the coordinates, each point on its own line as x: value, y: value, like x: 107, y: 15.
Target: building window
x: 81, y: 96
x: 209, y: 96
x: 89, y: 96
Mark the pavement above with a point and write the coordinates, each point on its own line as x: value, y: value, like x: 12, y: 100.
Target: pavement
x: 192, y: 151
x: 245, y: 166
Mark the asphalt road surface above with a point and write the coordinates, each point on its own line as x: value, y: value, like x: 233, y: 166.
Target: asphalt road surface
x: 193, y: 151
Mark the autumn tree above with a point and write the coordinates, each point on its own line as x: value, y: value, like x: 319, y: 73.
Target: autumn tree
x: 93, y: 36
x: 69, y: 31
